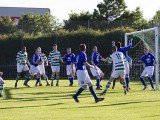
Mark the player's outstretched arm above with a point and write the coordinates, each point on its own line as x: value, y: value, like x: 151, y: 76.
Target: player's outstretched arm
x: 88, y: 65
x: 104, y: 59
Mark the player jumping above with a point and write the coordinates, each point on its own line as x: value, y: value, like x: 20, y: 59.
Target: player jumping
x: 149, y: 60
x: 95, y: 58
x: 69, y: 58
x: 124, y: 51
x: 22, y: 65
x: 82, y: 74
x: 54, y: 60
x: 117, y: 58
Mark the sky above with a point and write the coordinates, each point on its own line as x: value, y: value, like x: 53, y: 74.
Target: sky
x: 61, y: 8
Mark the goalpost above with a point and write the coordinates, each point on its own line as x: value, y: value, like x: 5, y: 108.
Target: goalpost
x: 144, y: 38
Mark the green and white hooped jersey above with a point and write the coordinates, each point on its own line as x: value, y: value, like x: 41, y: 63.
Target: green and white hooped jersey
x: 118, y: 60
x: 43, y: 57
x: 22, y: 57
x: 55, y: 58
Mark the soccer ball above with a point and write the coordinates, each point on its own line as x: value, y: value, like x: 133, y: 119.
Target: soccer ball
x: 110, y: 18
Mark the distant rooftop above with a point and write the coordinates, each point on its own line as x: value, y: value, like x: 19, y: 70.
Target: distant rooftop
x: 18, y: 11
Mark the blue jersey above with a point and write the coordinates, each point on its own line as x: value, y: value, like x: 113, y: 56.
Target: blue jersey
x: 69, y: 58
x: 95, y: 57
x: 35, y: 58
x: 125, y: 49
x: 81, y: 58
x: 148, y: 59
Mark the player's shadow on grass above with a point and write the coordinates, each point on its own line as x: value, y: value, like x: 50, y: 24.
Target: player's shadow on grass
x: 123, y: 103
x: 32, y: 106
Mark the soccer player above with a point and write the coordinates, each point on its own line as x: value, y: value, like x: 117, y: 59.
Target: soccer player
x: 1, y: 84
x: 69, y: 58
x: 35, y: 62
x: 117, y: 58
x: 82, y: 74
x: 42, y: 67
x: 22, y: 65
x: 124, y: 51
x: 54, y: 60
x: 149, y: 60
x: 95, y: 58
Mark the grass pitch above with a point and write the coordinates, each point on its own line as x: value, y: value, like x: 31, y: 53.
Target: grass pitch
x: 56, y: 103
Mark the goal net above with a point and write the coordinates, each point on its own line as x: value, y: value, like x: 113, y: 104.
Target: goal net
x: 145, y: 38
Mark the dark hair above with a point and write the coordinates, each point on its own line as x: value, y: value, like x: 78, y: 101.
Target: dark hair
x: 114, y: 48
x: 118, y: 45
x: 82, y: 47
x: 54, y: 45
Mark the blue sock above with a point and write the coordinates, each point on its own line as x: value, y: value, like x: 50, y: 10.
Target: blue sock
x: 143, y: 82
x: 79, y: 92
x: 71, y: 80
x: 38, y: 80
x: 151, y: 82
x: 98, y: 82
x: 127, y: 81
x: 92, y: 92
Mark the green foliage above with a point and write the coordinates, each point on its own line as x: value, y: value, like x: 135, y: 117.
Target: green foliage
x: 156, y: 18
x: 34, y: 24
x: 109, y: 8
x: 7, y: 25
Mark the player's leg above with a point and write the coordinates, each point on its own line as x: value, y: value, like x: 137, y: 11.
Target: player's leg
x: 122, y: 76
x: 53, y: 74
x: 80, y: 90
x: 19, y: 71
x: 57, y: 75
x: 1, y: 86
x: 93, y: 93
x: 108, y: 85
x: 27, y: 78
x: 150, y: 71
x: 114, y: 83
x: 144, y: 73
x: 127, y: 79
x: 69, y: 72
x: 98, y: 78
x: 46, y: 79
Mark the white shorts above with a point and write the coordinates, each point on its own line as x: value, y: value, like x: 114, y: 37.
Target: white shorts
x: 126, y: 68
x: 148, y: 71
x: 34, y: 69
x: 83, y: 77
x: 42, y: 69
x: 21, y: 68
x: 118, y: 73
x: 69, y: 69
x: 55, y: 68
x: 1, y: 81
x: 95, y: 72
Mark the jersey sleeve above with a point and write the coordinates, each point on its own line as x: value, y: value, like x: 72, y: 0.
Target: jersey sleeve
x: 100, y: 57
x: 49, y: 58
x: 110, y: 59
x: 153, y: 56
x: 60, y: 57
x: 73, y: 58
x: 92, y: 56
x: 18, y: 59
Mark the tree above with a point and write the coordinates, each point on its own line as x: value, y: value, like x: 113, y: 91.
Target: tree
x: 33, y: 24
x: 156, y: 18
x: 7, y: 25
x: 77, y: 20
x: 109, y: 8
